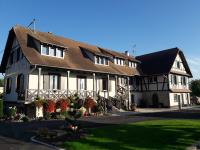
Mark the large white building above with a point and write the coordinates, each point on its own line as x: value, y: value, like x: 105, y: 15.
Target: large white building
x: 52, y: 67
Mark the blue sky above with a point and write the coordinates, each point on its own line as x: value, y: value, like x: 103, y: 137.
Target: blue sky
x: 151, y: 25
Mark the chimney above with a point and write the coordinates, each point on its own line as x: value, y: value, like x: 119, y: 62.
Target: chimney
x: 127, y: 53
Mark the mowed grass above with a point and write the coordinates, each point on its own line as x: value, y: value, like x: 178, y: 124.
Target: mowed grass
x: 147, y: 135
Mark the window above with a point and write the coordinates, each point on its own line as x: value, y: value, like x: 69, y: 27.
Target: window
x: 45, y: 50
x: 175, y: 79
x: 106, y: 61
x: 137, y: 81
x: 105, y: 84
x: 81, y: 83
x: 155, y: 79
x: 20, y: 83
x: 150, y: 79
x: 97, y: 59
x: 178, y: 64
x: 132, y: 64
x: 175, y: 98
x: 119, y: 61
x: 59, y: 53
x: 130, y: 81
x: 122, y: 81
x: 52, y: 51
x: 102, y: 84
x: 101, y: 60
x: 184, y: 80
x: 8, y: 85
x: 54, y: 82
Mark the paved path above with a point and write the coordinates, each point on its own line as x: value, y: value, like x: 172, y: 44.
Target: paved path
x: 13, y: 144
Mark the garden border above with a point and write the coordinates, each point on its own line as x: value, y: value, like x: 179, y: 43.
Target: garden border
x: 45, y: 144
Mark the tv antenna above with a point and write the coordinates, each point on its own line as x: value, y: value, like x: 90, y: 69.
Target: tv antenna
x: 133, y: 48
x: 32, y: 23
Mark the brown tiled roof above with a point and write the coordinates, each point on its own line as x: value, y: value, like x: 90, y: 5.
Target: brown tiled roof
x: 180, y: 90
x: 74, y: 58
x: 161, y: 62
x: 117, y: 54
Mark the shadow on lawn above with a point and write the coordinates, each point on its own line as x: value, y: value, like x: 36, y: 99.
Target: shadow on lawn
x: 183, y: 114
x: 141, y: 136
x: 25, y: 130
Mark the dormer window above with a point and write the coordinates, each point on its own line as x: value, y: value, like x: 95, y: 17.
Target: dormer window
x: 52, y: 51
x: 119, y: 61
x: 45, y: 50
x: 132, y: 64
x: 100, y: 60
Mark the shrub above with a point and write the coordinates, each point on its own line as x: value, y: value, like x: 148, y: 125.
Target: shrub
x: 50, y: 106
x: 12, y: 111
x: 89, y: 103
x: 1, y: 108
x: 47, y: 116
x: 39, y: 102
x: 25, y: 119
x: 62, y: 104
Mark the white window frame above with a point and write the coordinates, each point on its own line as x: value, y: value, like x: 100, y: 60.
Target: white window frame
x: 56, y: 51
x: 101, y: 59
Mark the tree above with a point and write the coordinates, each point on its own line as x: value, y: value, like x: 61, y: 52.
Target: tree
x: 195, y: 87
x: 1, y: 82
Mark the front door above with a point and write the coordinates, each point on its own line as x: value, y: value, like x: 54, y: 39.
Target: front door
x: 155, y: 100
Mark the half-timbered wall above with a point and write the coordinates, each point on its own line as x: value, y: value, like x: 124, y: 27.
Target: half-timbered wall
x: 178, y: 65
x: 154, y: 83
x: 163, y: 98
x: 20, y: 66
x: 178, y: 84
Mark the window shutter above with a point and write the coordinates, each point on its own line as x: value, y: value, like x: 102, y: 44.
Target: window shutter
x: 46, y: 82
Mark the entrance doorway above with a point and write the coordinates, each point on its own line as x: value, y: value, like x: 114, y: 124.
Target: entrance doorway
x: 155, y: 100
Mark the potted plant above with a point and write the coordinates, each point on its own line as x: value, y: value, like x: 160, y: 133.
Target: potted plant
x: 39, y: 102
x: 133, y: 106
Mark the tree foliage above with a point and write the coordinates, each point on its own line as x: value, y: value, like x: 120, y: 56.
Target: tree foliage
x: 1, y: 82
x: 195, y: 87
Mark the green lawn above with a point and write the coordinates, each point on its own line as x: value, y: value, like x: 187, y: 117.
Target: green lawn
x: 147, y: 135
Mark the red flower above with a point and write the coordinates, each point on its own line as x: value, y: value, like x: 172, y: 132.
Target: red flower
x: 89, y: 103
x: 50, y: 107
x: 63, y: 104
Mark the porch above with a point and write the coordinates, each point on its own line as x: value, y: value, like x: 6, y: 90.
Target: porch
x: 49, y: 94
